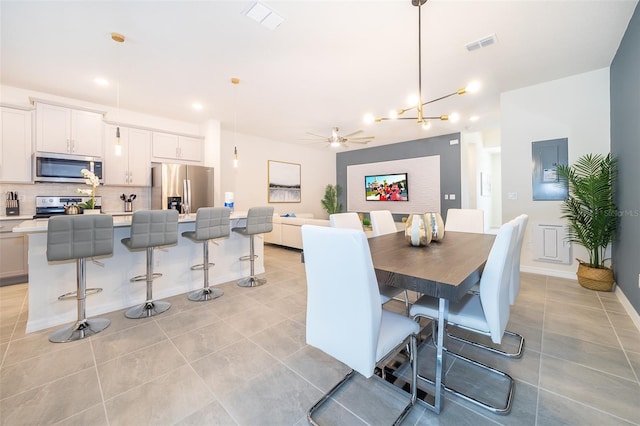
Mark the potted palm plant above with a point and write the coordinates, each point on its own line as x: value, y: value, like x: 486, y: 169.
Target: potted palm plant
x: 330, y: 201
x: 592, y: 215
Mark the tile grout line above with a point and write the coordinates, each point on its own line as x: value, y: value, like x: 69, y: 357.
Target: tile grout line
x: 544, y: 315
x: 624, y: 351
x: 212, y: 394
x: 13, y: 331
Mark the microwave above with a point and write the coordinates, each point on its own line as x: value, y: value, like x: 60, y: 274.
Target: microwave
x: 52, y: 167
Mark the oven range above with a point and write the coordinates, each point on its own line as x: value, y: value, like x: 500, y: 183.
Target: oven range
x: 47, y: 206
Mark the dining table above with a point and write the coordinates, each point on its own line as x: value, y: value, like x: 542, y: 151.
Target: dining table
x: 445, y: 269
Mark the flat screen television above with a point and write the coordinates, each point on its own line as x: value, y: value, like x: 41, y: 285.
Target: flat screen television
x: 390, y: 187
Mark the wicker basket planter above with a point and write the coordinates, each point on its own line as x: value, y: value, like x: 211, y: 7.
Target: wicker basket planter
x: 599, y: 279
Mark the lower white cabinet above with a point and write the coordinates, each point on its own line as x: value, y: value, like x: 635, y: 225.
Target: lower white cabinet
x: 16, y: 145
x: 133, y: 166
x: 13, y: 246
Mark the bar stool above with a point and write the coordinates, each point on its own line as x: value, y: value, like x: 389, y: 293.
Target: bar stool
x: 259, y: 221
x: 149, y: 229
x: 211, y: 223
x: 79, y: 237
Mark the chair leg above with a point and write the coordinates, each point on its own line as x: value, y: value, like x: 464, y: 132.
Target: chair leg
x: 516, y: 354
x: 505, y: 409
x: 150, y: 307
x: 83, y: 327
x: 351, y: 374
x: 205, y: 293
x: 252, y: 280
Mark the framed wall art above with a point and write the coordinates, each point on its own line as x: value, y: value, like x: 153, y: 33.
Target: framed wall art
x: 284, y: 182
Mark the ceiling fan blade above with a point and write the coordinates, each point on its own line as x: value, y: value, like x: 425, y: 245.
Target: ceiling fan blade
x: 359, y: 142
x: 362, y: 138
x: 353, y: 133
x: 318, y: 136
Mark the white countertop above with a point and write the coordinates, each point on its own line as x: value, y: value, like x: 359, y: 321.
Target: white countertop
x: 119, y: 220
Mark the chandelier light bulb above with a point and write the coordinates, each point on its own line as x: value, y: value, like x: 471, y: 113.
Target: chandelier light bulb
x: 393, y: 114
x: 454, y: 117
x: 413, y: 100
x: 426, y: 125
x: 369, y: 118
x: 472, y: 87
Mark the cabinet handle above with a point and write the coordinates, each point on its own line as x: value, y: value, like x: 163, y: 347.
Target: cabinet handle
x: 73, y: 145
x: 68, y: 145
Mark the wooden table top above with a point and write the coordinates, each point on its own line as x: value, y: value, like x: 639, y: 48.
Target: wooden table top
x: 445, y: 269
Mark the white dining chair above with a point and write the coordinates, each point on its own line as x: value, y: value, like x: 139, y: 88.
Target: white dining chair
x: 338, y: 262
x: 515, y: 271
x: 345, y: 220
x: 486, y: 313
x: 517, y: 340
x: 382, y: 223
x: 465, y: 220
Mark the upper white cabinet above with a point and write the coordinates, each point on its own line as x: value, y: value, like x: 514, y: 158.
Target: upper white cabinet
x: 69, y: 131
x: 168, y: 146
x: 133, y: 166
x: 16, y: 145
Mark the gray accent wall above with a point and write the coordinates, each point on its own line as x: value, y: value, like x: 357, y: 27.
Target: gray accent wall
x: 450, y: 182
x: 625, y: 145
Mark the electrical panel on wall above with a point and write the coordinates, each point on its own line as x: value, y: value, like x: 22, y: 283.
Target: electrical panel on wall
x: 547, y: 156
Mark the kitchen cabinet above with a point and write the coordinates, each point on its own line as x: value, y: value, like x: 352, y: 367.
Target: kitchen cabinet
x: 16, y: 145
x: 68, y: 131
x: 13, y: 246
x: 133, y: 166
x: 167, y: 146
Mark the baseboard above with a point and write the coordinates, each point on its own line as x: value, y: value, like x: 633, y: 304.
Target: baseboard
x: 548, y: 272
x: 635, y: 316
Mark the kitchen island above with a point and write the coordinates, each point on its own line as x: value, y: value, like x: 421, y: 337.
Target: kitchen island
x: 48, y: 280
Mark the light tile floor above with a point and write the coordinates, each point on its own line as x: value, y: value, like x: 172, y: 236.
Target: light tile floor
x: 242, y: 359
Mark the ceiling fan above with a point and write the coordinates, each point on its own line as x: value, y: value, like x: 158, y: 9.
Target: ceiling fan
x: 336, y: 140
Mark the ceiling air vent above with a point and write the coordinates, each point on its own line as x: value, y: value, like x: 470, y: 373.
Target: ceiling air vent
x: 483, y: 42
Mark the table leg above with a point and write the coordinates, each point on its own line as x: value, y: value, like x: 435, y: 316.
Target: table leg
x: 443, y: 310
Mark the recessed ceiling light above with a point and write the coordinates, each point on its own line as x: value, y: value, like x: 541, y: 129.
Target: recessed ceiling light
x: 101, y: 81
x: 474, y: 118
x: 197, y: 106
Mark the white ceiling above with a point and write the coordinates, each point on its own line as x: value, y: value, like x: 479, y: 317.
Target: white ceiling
x: 328, y: 64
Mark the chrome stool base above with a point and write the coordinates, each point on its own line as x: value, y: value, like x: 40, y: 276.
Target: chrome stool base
x: 147, y: 309
x: 80, y: 330
x: 205, y: 294
x: 251, y: 282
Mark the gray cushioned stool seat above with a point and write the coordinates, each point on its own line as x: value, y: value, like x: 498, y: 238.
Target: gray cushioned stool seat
x: 259, y: 221
x: 78, y: 237
x: 211, y: 223
x: 149, y: 229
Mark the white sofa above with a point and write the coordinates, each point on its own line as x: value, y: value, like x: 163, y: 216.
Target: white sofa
x: 286, y: 230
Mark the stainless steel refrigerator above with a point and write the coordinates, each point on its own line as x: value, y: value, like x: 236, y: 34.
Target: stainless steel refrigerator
x: 181, y: 187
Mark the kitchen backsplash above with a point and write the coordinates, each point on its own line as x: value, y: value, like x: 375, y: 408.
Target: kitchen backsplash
x: 111, y: 201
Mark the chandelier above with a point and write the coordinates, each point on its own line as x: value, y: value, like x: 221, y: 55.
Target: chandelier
x: 417, y: 104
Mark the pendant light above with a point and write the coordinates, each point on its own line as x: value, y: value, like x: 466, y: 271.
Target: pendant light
x: 417, y: 103
x: 235, y: 81
x: 118, y: 38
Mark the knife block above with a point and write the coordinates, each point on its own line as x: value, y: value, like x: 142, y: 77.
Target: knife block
x: 13, y: 208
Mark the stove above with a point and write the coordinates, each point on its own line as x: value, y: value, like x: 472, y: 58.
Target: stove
x: 47, y: 206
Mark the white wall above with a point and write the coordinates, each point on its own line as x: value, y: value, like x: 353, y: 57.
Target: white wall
x: 575, y: 107
x: 249, y: 181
